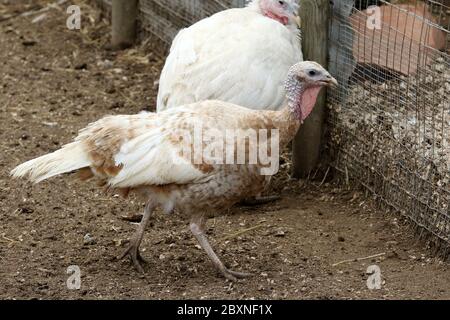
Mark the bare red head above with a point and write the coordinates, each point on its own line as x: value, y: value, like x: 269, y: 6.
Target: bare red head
x: 283, y: 11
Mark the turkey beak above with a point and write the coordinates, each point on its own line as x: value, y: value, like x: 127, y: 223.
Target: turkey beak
x: 329, y: 81
x: 298, y: 20
x: 295, y: 16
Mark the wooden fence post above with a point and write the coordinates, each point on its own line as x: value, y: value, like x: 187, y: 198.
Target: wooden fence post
x: 124, y: 21
x: 307, y: 144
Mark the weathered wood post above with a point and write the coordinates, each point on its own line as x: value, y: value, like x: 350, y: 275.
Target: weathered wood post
x: 124, y: 22
x: 314, y: 16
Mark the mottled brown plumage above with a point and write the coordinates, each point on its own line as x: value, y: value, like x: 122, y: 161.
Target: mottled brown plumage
x: 147, y: 153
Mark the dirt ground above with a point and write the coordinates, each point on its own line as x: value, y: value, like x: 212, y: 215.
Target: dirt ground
x: 53, y: 82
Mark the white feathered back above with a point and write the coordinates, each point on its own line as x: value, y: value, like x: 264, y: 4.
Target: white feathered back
x: 236, y: 55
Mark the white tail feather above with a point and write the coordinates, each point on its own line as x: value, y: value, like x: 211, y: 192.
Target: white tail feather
x: 70, y: 157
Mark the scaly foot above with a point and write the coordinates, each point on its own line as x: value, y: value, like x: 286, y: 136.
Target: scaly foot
x: 135, y: 255
x: 234, y: 275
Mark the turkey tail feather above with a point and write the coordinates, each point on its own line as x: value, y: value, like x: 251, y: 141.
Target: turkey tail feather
x: 69, y: 158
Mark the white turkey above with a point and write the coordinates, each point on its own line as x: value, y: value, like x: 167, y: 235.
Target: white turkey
x: 145, y: 153
x: 238, y: 55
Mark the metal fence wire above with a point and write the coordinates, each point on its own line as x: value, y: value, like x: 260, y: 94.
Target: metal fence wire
x: 389, y: 121
x: 163, y: 19
x: 160, y: 20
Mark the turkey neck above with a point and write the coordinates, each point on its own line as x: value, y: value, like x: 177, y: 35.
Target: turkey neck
x: 298, y: 105
x: 286, y: 122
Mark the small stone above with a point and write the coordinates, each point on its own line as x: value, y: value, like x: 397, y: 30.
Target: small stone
x: 280, y: 233
x: 88, y: 239
x: 105, y: 64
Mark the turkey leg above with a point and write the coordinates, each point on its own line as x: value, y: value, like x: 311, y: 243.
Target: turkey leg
x: 197, y: 228
x: 135, y: 241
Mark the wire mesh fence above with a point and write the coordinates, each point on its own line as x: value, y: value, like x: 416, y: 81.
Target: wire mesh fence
x: 389, y: 121
x: 163, y: 19
x: 160, y: 20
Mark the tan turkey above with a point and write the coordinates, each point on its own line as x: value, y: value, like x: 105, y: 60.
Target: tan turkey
x: 146, y: 153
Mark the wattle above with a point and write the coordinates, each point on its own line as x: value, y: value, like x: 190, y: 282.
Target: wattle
x: 282, y: 20
x: 307, y: 101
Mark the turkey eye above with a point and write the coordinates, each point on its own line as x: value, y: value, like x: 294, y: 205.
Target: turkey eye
x: 281, y: 3
x: 312, y: 73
